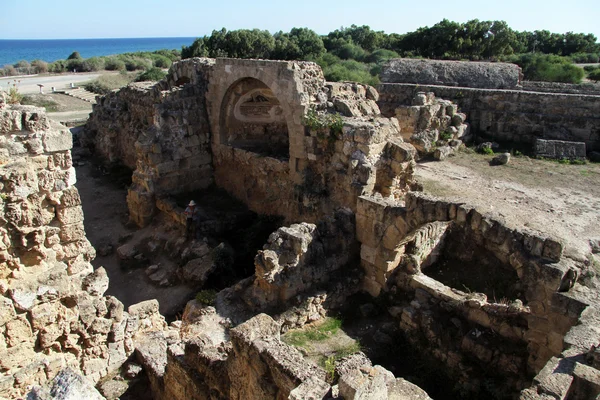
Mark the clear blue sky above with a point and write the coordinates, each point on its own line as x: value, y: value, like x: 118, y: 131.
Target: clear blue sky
x: 69, y: 19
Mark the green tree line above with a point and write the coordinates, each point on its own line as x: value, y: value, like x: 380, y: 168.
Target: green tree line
x: 357, y: 52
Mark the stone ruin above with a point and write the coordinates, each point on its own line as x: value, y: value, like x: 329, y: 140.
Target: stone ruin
x: 284, y: 142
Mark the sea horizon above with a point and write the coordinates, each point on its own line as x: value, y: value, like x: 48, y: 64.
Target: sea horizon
x: 50, y: 50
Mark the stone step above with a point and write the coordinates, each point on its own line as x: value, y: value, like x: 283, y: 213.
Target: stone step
x: 82, y: 94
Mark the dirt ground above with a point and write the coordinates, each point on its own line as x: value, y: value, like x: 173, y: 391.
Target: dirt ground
x: 561, y: 200
x: 105, y: 212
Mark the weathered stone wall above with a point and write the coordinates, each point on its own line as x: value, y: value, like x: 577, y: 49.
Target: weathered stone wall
x: 161, y: 132
x: 301, y: 258
x: 398, y: 242
x: 252, y: 363
x: 558, y: 87
x: 452, y: 73
x: 53, y: 313
x: 511, y: 115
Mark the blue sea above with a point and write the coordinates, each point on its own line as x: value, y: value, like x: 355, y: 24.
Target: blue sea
x: 12, y: 51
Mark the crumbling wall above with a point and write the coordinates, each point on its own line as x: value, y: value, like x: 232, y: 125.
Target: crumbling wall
x: 255, y: 364
x: 53, y: 312
x: 434, y: 126
x: 397, y: 244
x: 161, y: 132
x: 239, y: 106
x: 512, y: 116
x: 452, y: 73
x: 301, y: 258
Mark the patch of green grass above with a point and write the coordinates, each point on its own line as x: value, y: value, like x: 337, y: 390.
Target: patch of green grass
x: 206, y: 297
x: 487, y: 150
x: 49, y: 105
x: 447, y: 135
x: 321, y: 332
x: 328, y: 363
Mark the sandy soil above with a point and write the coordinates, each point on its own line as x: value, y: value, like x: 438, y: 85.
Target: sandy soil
x: 556, y: 199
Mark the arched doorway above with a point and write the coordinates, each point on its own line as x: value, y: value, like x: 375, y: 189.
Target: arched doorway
x: 253, y: 119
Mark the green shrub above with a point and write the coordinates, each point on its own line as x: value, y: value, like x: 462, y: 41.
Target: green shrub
x: 160, y: 61
x: 114, y: 64
x: 104, y: 84
x: 92, y: 64
x: 206, y: 297
x: 58, y: 66
x: 134, y: 63
x: 594, y: 75
x: 74, y: 64
x: 548, y: 68
x: 324, y: 123
x: 74, y: 56
x: 153, y: 74
x: 41, y: 67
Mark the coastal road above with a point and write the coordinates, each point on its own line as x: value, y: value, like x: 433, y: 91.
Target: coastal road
x: 29, y: 84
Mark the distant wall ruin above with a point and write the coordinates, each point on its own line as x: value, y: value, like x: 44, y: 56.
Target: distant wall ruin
x: 484, y: 75
x: 512, y: 116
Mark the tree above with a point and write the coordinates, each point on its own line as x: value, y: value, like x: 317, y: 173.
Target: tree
x: 74, y: 56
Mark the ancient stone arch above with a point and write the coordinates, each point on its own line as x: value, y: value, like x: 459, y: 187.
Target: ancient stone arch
x: 286, y: 85
x: 252, y: 118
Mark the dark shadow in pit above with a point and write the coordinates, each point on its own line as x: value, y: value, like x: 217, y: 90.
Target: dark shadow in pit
x: 367, y: 320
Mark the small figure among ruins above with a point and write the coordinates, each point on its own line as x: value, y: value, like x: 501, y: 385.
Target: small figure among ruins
x: 191, y: 220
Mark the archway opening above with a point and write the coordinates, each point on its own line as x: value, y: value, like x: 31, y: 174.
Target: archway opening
x: 253, y: 119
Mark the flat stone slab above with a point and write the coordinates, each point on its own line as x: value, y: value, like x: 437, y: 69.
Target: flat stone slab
x: 559, y: 149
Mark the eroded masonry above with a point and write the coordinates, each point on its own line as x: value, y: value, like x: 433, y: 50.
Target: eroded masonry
x: 284, y: 142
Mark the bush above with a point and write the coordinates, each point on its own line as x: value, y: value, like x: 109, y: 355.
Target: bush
x: 137, y: 64
x: 161, y: 61
x: 153, y: 74
x: 594, y: 75
x: 583, y: 58
x: 350, y: 70
x: 58, y: 66
x: 548, y: 68
x: 92, y: 64
x: 104, y: 84
x: 41, y: 67
x: 75, y: 65
x: 74, y: 56
x: 9, y: 70
x: 206, y: 297
x: 114, y: 64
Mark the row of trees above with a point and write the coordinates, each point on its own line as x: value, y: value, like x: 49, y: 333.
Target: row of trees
x: 473, y: 40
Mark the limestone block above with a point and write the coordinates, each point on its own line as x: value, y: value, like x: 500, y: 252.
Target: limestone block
x: 70, y: 198
x: 96, y: 283
x: 16, y: 356
x: 400, y: 151
x: 144, y: 309
x: 7, y: 310
x: 559, y: 149
x: 401, y: 389
x: 24, y: 299
x: 70, y: 215
x: 59, y: 140
x: 311, y: 389
x: 19, y: 331
x: 72, y: 232
x: 259, y: 326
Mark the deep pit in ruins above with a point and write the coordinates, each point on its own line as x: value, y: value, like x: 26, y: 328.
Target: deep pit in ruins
x: 310, y: 225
